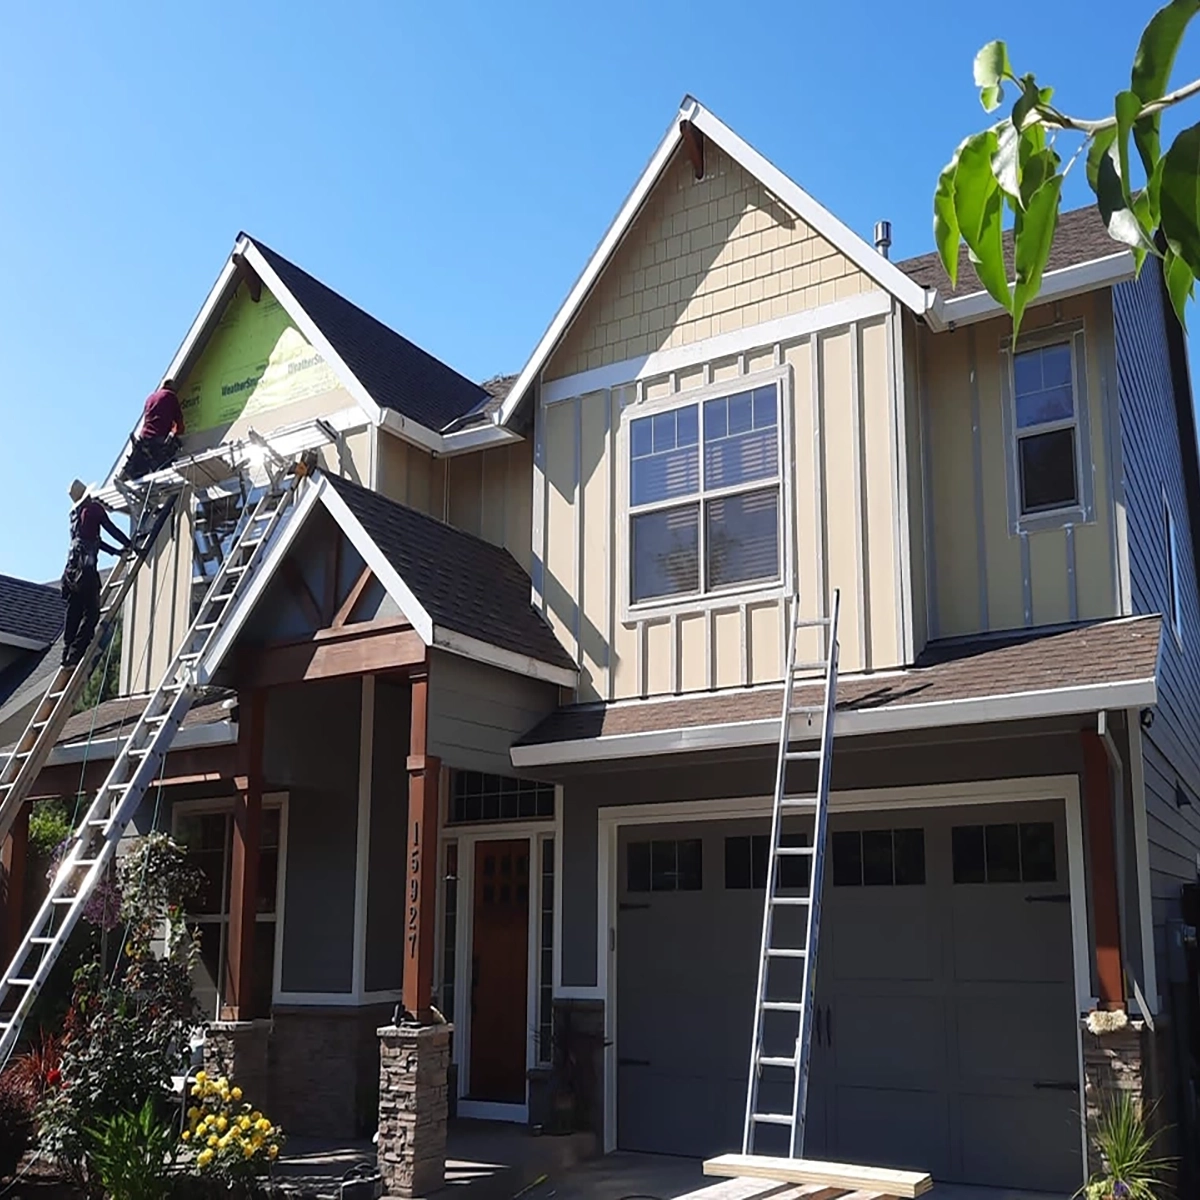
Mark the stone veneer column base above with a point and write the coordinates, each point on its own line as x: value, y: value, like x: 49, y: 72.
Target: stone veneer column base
x: 238, y: 1050
x: 413, y: 1065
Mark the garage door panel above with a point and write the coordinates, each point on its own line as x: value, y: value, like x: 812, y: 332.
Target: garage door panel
x: 1027, y: 1140
x: 874, y: 933
x: 891, y: 1039
x: 1010, y: 1037
x: 999, y: 936
x: 671, y: 1113
x: 900, y: 1127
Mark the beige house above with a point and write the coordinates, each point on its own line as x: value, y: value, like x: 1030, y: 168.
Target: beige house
x: 552, y: 612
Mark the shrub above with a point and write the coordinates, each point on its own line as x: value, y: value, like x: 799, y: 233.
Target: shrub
x: 17, y: 1102
x: 49, y: 826
x: 1131, y: 1171
x: 225, y: 1139
x: 131, y: 1154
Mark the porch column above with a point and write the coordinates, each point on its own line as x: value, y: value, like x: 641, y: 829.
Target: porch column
x: 1102, y: 872
x: 12, y: 883
x: 238, y: 993
x: 421, y: 890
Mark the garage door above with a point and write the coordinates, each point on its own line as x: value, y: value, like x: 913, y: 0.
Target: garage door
x: 945, y: 1022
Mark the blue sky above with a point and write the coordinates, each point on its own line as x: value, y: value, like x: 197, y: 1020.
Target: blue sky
x: 449, y: 167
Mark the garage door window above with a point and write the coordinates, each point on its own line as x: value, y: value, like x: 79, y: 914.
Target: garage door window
x: 1016, y: 853
x: 665, y: 866
x: 746, y: 862
x: 879, y: 858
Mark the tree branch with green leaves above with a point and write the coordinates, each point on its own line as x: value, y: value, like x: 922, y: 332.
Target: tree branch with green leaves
x: 1016, y: 165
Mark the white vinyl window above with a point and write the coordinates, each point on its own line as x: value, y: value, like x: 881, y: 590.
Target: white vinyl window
x: 1047, y: 429
x: 704, y: 512
x: 1172, y: 548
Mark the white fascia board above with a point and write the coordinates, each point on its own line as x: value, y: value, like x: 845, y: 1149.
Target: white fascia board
x: 479, y: 437
x: 1056, y: 285
x: 219, y: 733
x: 865, y: 257
x: 463, y: 644
x: 781, y: 329
x: 23, y: 643
x: 596, y: 264
x: 1018, y: 706
x: 414, y: 612
x: 411, y: 431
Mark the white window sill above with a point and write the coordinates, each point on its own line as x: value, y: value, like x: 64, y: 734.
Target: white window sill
x: 1059, y: 518
x: 680, y: 605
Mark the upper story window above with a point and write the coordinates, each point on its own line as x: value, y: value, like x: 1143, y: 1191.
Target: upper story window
x: 704, y: 496
x: 1047, y: 429
x: 1172, y: 548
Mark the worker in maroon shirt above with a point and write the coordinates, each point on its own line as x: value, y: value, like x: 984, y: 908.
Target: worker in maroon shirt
x: 157, y: 442
x: 81, y: 577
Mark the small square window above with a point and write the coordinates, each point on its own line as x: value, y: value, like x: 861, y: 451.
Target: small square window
x: 847, y: 859
x: 739, y: 871
x: 664, y: 866
x: 1037, y: 852
x: 910, y: 856
x: 1048, y: 471
x: 877, y: 858
x: 967, y: 851
x: 1004, y: 853
x: 1046, y: 429
x: 637, y: 867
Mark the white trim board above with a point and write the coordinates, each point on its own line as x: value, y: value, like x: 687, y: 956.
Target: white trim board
x: 755, y: 337
x: 609, y: 819
x: 883, y: 271
x: 1016, y: 706
x: 217, y: 733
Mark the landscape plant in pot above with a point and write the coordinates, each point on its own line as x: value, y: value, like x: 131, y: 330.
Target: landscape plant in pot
x: 1130, y: 1170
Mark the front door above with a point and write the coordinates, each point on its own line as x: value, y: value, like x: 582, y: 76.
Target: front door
x: 499, y: 972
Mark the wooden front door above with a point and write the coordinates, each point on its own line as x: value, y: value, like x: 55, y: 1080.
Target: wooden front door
x: 499, y: 972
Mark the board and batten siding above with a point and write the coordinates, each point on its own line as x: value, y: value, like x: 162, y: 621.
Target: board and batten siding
x: 1153, y: 467
x: 839, y: 516
x: 487, y: 492
x: 982, y: 574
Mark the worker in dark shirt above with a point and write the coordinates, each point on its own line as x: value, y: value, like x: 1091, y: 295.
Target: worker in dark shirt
x: 81, y: 577
x: 157, y: 442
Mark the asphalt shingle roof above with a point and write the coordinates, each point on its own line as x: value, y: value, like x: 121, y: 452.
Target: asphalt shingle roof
x: 981, y: 667
x: 397, y: 373
x: 31, y: 610
x: 464, y: 583
x: 1080, y: 237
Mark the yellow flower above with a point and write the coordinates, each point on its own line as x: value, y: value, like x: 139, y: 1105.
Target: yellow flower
x: 273, y: 1152
x: 223, y: 1142
x: 244, y: 1123
x: 201, y: 1076
x: 185, y: 1135
x: 257, y: 1141
x: 236, y: 1093
x: 195, y: 1089
x: 263, y: 1124
x: 213, y: 1141
x: 256, y: 1116
x: 221, y: 1124
x: 193, y: 1113
x: 204, y: 1158
x: 222, y: 1084
x: 247, y: 1150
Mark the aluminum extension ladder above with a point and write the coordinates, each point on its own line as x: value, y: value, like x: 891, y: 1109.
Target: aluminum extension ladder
x: 22, y: 767
x: 794, y: 1005
x: 93, y: 844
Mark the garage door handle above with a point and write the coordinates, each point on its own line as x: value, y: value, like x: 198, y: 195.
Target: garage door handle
x: 633, y: 1062
x: 1057, y: 898
x: 1056, y: 1085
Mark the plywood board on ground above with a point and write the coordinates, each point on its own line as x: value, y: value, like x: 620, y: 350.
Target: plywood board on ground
x: 905, y: 1185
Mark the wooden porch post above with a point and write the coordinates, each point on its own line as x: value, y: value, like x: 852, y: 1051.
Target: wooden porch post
x: 1102, y: 873
x: 12, y: 877
x: 238, y: 993
x: 421, y: 891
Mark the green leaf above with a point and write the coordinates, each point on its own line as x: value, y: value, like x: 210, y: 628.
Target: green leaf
x: 1030, y: 98
x: 991, y: 69
x: 1151, y: 72
x: 1102, y: 143
x: 946, y: 234
x: 1127, y: 107
x: 1154, y: 195
x: 1118, y: 218
x: 978, y: 205
x: 1180, y: 283
x: 1006, y: 165
x: 1034, y: 236
x: 1180, y: 198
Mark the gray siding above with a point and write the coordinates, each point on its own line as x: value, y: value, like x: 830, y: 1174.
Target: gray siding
x: 476, y: 712
x: 1054, y: 750
x: 384, y: 968
x: 1154, y: 461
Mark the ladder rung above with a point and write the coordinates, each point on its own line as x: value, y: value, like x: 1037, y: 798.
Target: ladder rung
x: 773, y: 1118
x: 802, y: 755
x: 815, y: 664
x: 19, y: 981
x: 99, y: 822
x: 782, y: 952
x: 63, y: 900
x: 207, y: 625
x: 782, y: 1006
x: 42, y: 941
x: 765, y: 1061
x: 795, y: 851
x: 798, y: 802
x: 812, y: 709
x: 791, y: 901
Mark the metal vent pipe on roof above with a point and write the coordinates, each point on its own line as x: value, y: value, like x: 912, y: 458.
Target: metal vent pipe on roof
x: 883, y: 237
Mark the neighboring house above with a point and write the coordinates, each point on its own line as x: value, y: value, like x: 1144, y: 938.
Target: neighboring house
x: 549, y: 615
x: 31, y: 621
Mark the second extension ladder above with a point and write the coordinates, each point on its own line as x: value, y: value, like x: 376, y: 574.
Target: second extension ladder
x: 93, y: 845
x: 789, y: 1003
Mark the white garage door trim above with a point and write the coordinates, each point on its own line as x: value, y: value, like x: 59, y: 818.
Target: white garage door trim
x: 611, y: 818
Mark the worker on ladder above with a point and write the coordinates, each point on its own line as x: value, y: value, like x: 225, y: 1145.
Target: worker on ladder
x: 157, y: 442
x: 81, y: 576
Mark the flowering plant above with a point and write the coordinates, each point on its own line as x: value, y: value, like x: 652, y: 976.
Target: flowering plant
x: 223, y: 1135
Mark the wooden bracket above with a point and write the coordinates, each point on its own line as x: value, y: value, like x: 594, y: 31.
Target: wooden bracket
x: 249, y: 276
x: 350, y: 603
x: 693, y: 143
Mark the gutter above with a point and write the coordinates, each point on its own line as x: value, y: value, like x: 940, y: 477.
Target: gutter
x: 1017, y: 706
x: 218, y: 733
x: 445, y: 445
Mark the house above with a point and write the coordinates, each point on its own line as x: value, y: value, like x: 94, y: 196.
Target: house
x: 497, y: 729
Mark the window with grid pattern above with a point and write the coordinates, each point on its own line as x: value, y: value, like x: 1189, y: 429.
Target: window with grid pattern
x: 1047, y: 429
x: 704, y: 496
x: 475, y: 796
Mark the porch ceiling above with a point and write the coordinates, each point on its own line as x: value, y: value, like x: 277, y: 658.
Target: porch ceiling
x: 1106, y: 665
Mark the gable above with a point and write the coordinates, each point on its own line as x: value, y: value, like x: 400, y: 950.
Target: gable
x: 703, y: 257
x: 255, y: 362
